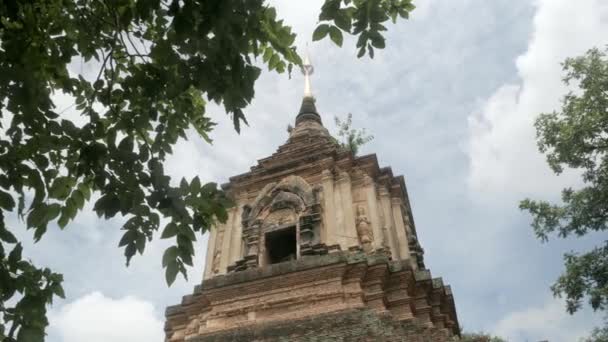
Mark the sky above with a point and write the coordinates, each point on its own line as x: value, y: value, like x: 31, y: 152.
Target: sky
x: 451, y: 103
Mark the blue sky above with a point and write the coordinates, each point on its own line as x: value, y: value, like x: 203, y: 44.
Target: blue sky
x: 451, y: 102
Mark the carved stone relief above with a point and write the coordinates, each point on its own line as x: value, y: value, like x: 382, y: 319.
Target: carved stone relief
x: 292, y: 201
x: 364, y: 229
x: 280, y: 217
x: 217, y: 253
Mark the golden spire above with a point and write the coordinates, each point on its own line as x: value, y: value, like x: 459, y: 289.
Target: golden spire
x: 307, y: 70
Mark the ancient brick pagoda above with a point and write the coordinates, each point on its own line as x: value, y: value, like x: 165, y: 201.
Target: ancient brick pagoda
x: 320, y: 246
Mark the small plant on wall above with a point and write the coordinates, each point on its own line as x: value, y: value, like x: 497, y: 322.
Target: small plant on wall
x: 349, y: 137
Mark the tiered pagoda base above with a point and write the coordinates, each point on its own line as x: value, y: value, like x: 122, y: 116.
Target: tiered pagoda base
x: 342, y: 296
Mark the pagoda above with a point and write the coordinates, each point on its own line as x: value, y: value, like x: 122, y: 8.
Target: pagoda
x: 320, y: 245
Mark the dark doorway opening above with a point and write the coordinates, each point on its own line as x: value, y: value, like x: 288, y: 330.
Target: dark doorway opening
x: 281, y: 245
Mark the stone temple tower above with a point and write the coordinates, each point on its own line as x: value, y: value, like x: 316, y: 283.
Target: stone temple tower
x: 321, y: 245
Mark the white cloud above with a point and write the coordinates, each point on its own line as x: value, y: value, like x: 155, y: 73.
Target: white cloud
x: 546, y: 322
x: 502, y: 148
x: 96, y: 318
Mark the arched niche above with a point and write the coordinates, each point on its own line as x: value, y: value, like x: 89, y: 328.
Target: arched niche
x: 284, y: 213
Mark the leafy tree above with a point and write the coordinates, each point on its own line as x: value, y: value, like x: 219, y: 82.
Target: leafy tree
x: 479, y: 337
x: 598, y: 335
x: 577, y: 137
x: 350, y: 138
x: 158, y: 63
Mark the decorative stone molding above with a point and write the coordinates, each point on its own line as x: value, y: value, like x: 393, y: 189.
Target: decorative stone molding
x: 290, y: 202
x: 367, y: 180
x: 327, y: 175
x: 343, y: 176
x: 308, y: 287
x: 396, y: 201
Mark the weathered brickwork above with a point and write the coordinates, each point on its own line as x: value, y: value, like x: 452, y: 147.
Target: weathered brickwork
x: 353, y: 325
x: 293, y: 293
x: 320, y: 245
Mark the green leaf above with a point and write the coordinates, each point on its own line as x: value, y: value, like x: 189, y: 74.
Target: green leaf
x: 361, y: 52
x: 183, y: 270
x: 377, y: 39
x: 320, y: 32
x: 6, y: 201
x: 267, y: 54
x: 126, y: 144
x: 274, y: 61
x: 61, y: 188
x: 58, y: 291
x: 170, y: 255
x: 38, y: 232
x: 169, y: 231
x: 98, y: 84
x: 336, y: 35
x: 362, y: 40
x: 78, y: 198
x: 271, y: 12
x: 69, y: 128
x: 140, y: 243
x: 63, y: 221
x: 53, y: 211
x: 38, y: 216
x: 144, y: 153
x: 70, y: 209
x: 171, y: 272
x: 209, y: 189
x: 130, y: 251
x: 186, y: 257
x: 128, y: 237
x: 185, y: 244
x: 85, y: 190
x: 36, y: 182
x: 107, y: 205
x: 183, y: 186
x: 15, y: 255
x: 7, y: 236
x: 186, y: 231
x: 343, y: 20
x: 403, y: 13
x: 30, y: 334
x: 195, y: 185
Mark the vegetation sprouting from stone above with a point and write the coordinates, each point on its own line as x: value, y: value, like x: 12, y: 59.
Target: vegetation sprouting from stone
x: 350, y: 138
x: 157, y: 63
x: 478, y: 337
x: 576, y: 137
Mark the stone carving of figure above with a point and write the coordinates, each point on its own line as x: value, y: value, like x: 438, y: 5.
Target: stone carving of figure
x: 245, y: 214
x: 215, y: 267
x: 216, y: 261
x: 364, y: 230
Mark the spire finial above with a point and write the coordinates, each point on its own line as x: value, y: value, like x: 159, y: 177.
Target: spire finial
x: 308, y: 111
x: 307, y: 70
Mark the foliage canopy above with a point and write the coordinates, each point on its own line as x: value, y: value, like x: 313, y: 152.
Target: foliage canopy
x: 597, y: 335
x: 577, y: 137
x: 159, y: 63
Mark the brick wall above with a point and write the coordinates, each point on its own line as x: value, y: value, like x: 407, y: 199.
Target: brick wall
x: 353, y: 325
